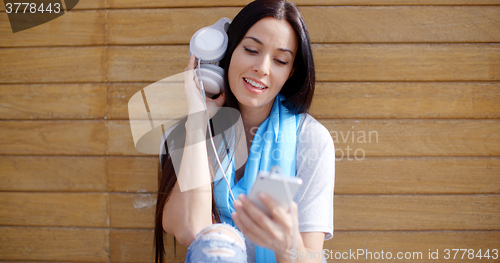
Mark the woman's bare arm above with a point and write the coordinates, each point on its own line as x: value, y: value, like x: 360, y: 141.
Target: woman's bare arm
x: 189, y: 207
x: 189, y: 211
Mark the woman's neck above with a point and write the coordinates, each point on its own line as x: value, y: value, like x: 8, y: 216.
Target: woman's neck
x: 253, y: 117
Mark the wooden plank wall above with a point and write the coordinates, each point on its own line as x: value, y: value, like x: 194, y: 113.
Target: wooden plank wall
x: 420, y: 78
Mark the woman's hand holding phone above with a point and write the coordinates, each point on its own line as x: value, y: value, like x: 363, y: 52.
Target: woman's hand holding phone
x: 275, y: 232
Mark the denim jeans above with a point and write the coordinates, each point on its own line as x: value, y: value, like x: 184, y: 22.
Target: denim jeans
x: 217, y: 246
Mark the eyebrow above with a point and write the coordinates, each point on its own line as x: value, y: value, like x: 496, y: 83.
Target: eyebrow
x: 260, y: 42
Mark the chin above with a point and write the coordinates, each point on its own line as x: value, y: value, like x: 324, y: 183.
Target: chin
x: 249, y: 102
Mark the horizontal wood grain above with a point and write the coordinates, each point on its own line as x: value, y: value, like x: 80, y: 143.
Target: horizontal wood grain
x: 331, y: 100
x: 137, y: 246
x: 349, y: 24
x: 365, y: 138
x: 146, y: 63
x: 372, y: 137
x: 334, y: 62
x: 166, y: 99
x: 372, y: 99
x: 410, y: 241
x: 133, y: 245
x: 68, y: 64
x: 53, y: 209
x: 365, y: 212
x: 356, y: 138
x: 120, y: 140
x: 372, y: 175
x: 379, y: 175
x: 405, y: 100
x: 353, y: 24
x: 132, y: 210
x: 87, y: 4
x: 56, y: 173
x: 417, y: 212
x: 23, y: 261
x: 54, y: 244
x: 407, y: 62
x: 72, y: 29
x: 196, y: 3
x: 53, y: 101
x: 161, y: 26
x: 133, y: 174
x: 119, y: 95
x: 95, y: 4
x: 53, y: 137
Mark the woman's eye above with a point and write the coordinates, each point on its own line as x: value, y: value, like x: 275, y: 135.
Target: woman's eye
x: 281, y: 62
x: 250, y: 50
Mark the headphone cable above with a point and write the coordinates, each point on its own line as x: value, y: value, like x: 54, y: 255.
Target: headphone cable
x: 203, y: 95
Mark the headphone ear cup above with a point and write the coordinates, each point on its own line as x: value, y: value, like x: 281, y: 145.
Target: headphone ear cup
x: 209, y: 43
x: 213, y: 78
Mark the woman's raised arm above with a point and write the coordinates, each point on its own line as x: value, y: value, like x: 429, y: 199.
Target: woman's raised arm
x: 189, y: 206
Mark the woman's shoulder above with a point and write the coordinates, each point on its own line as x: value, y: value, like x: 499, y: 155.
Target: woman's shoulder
x: 311, y: 131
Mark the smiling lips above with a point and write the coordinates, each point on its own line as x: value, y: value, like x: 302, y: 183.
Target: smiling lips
x: 253, y: 86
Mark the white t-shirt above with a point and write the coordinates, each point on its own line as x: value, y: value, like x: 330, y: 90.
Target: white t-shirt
x: 315, y: 162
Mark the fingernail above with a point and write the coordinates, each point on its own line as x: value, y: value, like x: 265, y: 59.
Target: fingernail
x: 242, y: 197
x: 262, y: 195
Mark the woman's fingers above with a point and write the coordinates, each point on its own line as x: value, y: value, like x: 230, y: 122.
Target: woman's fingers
x: 192, y: 63
x: 275, y: 233
x: 193, y: 95
x: 274, y: 225
x: 189, y: 73
x: 278, y: 213
x: 256, y: 214
x: 248, y: 226
x: 256, y: 238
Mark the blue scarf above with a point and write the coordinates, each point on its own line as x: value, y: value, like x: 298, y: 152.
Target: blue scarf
x: 273, y: 144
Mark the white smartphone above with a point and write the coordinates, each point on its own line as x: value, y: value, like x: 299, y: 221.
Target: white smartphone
x: 274, y: 185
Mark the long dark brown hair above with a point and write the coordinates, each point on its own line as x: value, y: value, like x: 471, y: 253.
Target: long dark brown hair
x: 298, y: 91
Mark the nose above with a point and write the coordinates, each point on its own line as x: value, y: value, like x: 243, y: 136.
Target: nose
x: 262, y: 65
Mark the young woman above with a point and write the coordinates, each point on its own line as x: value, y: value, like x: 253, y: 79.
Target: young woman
x: 270, y: 79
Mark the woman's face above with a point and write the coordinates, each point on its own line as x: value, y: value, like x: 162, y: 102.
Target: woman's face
x: 262, y: 62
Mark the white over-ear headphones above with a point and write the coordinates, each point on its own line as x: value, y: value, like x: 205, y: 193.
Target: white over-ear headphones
x: 209, y: 46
